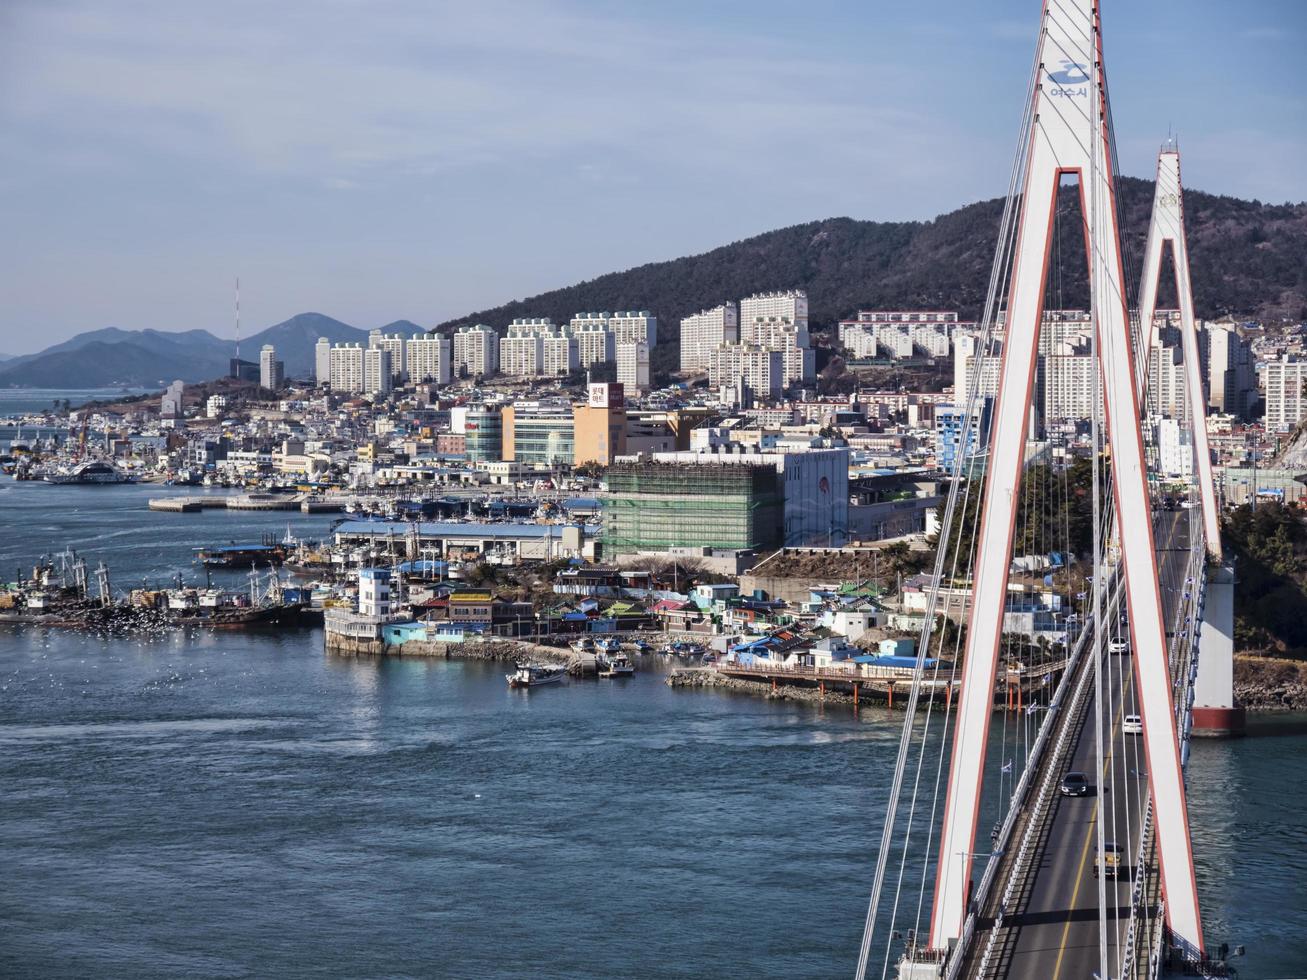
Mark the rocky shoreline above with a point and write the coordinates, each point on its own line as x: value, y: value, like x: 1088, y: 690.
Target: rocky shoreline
x: 1270, y: 684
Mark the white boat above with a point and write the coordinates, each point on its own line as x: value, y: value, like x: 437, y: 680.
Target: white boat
x: 91, y: 472
x: 535, y: 674
x: 616, y: 665
x: 583, y: 645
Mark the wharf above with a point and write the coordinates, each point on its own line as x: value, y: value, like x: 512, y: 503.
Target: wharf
x: 187, y: 505
x: 250, y: 501
x: 848, y: 686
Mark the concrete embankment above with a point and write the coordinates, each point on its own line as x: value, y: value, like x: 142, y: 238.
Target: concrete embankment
x: 707, y: 678
x: 1270, y: 683
x: 508, y: 651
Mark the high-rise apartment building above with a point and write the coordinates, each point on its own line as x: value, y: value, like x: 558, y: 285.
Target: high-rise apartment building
x: 968, y: 363
x: 322, y: 362
x: 429, y: 358
x: 1231, y: 380
x: 704, y: 332
x: 271, y: 371
x: 629, y: 326
x: 395, y: 344
x: 1167, y: 394
x: 1067, y: 372
x: 1286, y: 405
x: 761, y: 370
x: 594, y: 341
x: 521, y: 350
x: 789, y: 304
x: 558, y: 355
x: 345, y: 372
x: 633, y: 366
x: 378, y: 371
x: 476, y: 351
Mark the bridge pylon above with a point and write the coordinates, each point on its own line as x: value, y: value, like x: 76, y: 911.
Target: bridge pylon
x: 1166, y: 231
x: 1068, y: 134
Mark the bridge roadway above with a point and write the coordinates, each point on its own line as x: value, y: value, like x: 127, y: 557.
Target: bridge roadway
x: 1053, y: 932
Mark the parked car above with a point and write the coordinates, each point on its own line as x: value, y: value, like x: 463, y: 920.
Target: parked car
x: 1075, y: 784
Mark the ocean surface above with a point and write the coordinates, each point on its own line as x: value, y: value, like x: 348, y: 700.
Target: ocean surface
x: 242, y: 805
x: 18, y: 401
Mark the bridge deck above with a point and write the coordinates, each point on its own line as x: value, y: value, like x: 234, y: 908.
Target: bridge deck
x: 1054, y: 931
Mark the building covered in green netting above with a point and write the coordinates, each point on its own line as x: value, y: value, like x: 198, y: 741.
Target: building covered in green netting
x: 730, y: 501
x: 657, y: 506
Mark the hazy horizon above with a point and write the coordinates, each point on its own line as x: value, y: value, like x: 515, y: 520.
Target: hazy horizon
x: 404, y: 160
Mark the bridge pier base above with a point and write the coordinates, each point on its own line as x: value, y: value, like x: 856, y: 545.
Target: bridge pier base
x: 1214, y: 713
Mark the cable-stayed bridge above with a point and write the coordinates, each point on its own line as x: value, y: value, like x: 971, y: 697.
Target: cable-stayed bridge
x: 1054, y: 841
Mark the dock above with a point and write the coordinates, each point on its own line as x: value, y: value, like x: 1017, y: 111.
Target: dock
x: 250, y: 501
x: 188, y: 505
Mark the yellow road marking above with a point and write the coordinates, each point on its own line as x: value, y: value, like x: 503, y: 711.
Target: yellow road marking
x: 1089, y: 834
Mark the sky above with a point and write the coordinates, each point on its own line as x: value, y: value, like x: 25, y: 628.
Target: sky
x: 385, y: 159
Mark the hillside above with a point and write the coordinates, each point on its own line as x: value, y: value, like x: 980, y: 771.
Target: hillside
x: 1247, y: 259
x: 104, y: 364
x: 296, y: 337
x: 112, y: 355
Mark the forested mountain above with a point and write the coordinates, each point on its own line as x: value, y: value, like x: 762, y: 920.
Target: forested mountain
x: 1247, y: 258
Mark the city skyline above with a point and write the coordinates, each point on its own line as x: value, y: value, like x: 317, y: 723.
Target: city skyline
x: 391, y: 161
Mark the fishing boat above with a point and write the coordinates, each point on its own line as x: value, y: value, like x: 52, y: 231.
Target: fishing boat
x: 616, y: 665
x: 535, y: 674
x: 94, y: 472
x: 241, y: 555
x: 583, y: 645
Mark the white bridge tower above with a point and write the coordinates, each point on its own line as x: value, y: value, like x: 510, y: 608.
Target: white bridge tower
x: 1069, y: 134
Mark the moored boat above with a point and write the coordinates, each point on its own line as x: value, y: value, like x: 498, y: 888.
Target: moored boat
x: 616, y: 665
x: 535, y: 674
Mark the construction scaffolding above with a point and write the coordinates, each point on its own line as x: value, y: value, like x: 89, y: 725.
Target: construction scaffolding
x: 658, y: 506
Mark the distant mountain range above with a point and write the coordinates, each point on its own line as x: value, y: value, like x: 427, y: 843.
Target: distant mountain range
x: 147, y: 358
x: 1248, y: 259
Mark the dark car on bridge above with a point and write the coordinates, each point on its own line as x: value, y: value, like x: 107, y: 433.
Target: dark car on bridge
x: 1075, y: 784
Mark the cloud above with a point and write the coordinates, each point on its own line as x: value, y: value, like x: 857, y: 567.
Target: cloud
x: 365, y: 91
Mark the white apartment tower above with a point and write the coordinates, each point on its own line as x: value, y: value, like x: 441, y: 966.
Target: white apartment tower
x: 1285, y: 404
x: 378, y: 371
x: 633, y: 366
x: 1068, y: 380
x: 395, y: 344
x: 761, y: 370
x: 521, y: 350
x: 594, y: 341
x: 428, y: 358
x: 789, y: 304
x: 558, y: 355
x: 345, y: 371
x: 631, y: 325
x: 704, y: 332
x: 476, y: 351
x: 271, y: 370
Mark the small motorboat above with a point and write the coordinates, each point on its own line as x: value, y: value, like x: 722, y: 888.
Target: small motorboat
x: 616, y: 665
x: 535, y: 674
